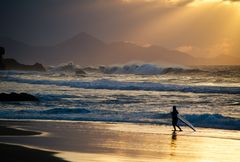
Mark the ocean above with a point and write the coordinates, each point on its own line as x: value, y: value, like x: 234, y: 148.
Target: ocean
x: 207, y: 96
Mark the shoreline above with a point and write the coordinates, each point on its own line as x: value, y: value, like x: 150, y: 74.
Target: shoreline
x: 89, y: 141
x: 10, y: 131
x: 17, y: 152
x: 110, y: 122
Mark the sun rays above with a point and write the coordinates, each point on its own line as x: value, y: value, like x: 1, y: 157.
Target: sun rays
x: 207, y: 23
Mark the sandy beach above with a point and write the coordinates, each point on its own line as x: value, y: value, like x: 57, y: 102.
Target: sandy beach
x: 112, y: 80
x: 98, y: 141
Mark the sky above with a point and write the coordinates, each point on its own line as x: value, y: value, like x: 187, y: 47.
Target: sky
x: 202, y: 28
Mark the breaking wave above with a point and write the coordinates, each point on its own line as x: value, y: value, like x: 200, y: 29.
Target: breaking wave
x: 57, y: 111
x: 145, y: 69
x: 139, y: 69
x: 120, y: 85
x: 204, y: 120
x: 79, y: 114
x: 213, y: 121
x: 65, y: 67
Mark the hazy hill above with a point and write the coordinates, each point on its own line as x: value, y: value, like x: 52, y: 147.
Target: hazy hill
x: 223, y: 60
x: 85, y: 49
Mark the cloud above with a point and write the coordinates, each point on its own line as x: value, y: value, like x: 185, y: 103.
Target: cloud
x: 222, y: 47
x: 186, y: 49
x: 233, y: 0
x: 180, y: 3
x: 170, y: 23
x: 176, y: 3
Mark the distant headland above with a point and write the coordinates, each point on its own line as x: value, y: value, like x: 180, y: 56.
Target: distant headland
x: 85, y: 49
x: 12, y: 64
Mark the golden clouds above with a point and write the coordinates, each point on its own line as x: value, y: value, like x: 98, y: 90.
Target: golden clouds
x: 183, y: 2
x: 200, y: 27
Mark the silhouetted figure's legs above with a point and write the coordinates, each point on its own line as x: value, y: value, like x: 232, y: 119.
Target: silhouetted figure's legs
x: 179, y: 128
x: 174, y: 127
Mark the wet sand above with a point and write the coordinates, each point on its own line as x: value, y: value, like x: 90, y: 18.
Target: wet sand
x: 6, y: 131
x: 16, y: 153
x: 103, y: 142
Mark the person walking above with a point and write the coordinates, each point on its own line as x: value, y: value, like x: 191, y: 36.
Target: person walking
x: 174, y: 114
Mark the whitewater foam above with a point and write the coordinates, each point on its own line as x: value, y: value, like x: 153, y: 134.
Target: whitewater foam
x: 213, y: 121
x: 80, y: 114
x: 139, y: 69
x: 56, y: 111
x: 120, y: 85
x: 212, y: 98
x: 145, y: 69
x: 65, y: 67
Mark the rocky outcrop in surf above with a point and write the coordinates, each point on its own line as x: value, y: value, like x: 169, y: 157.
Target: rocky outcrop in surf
x: 12, y: 64
x: 17, y: 97
x: 80, y: 72
x: 2, y: 52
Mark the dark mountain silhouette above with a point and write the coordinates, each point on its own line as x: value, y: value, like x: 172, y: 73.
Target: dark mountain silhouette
x: 85, y: 49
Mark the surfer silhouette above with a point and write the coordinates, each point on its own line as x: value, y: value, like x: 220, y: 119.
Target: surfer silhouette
x: 174, y: 114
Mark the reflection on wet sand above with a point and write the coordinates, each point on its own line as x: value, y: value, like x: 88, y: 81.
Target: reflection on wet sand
x: 174, y: 136
x: 86, y: 141
x: 173, y: 143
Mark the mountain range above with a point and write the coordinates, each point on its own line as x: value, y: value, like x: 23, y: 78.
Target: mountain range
x: 84, y: 49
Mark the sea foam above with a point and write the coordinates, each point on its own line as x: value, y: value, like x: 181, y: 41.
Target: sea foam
x: 121, y: 85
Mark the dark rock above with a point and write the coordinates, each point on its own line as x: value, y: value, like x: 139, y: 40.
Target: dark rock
x: 17, y: 97
x: 80, y: 72
x: 12, y: 64
x: 2, y: 52
x: 90, y: 69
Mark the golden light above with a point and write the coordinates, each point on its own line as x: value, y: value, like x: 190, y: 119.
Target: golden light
x: 208, y: 21
x: 224, y: 2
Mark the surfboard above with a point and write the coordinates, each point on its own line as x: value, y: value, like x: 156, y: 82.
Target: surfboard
x: 186, y: 122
